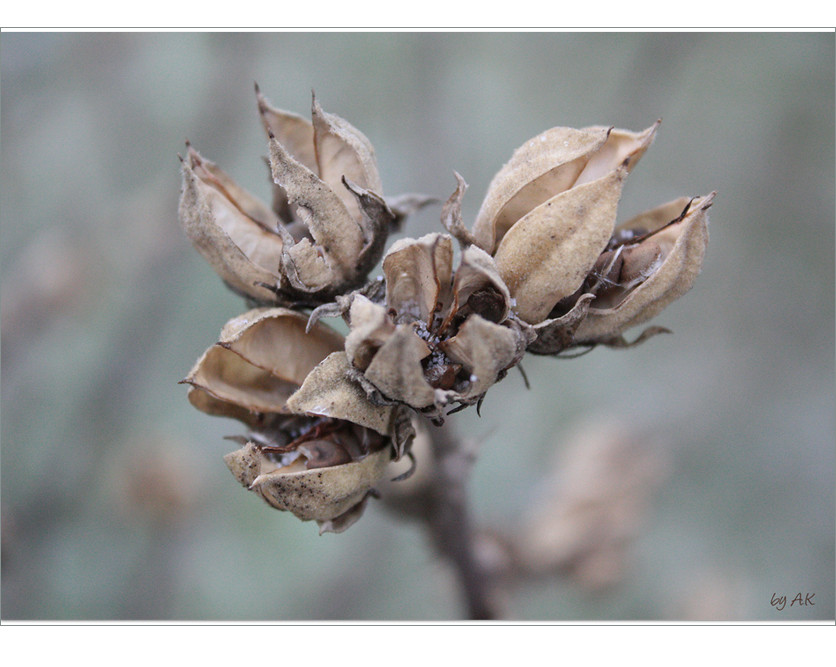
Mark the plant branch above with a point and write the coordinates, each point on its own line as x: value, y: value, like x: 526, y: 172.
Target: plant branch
x: 450, y: 523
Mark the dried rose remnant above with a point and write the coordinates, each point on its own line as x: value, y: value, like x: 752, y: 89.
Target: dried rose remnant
x: 327, y: 225
x: 315, y: 447
x: 548, y: 221
x: 442, y: 336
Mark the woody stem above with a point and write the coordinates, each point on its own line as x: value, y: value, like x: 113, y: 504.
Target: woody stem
x: 449, y: 520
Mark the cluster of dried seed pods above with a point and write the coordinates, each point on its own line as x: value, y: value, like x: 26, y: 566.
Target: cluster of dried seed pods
x: 544, y: 269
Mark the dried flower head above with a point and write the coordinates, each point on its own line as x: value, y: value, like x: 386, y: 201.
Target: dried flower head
x: 548, y: 220
x: 316, y: 446
x: 326, y: 228
x: 441, y: 336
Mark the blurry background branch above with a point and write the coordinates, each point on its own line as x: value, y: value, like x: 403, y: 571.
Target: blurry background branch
x: 589, y: 508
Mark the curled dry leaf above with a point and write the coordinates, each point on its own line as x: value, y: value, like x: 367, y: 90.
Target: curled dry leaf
x: 315, y: 446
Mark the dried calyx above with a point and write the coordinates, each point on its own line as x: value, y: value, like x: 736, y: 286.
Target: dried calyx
x: 439, y: 336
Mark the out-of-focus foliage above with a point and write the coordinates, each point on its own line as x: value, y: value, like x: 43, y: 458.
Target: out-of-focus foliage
x: 116, y: 503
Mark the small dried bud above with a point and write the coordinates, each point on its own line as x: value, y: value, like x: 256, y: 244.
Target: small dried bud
x: 328, y: 223
x: 316, y: 446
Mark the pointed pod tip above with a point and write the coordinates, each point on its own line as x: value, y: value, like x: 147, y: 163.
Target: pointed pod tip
x: 192, y: 154
x: 352, y: 186
x: 316, y: 108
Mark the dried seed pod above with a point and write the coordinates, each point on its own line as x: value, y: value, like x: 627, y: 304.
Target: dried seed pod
x: 548, y: 220
x: 328, y: 223
x: 262, y: 357
x: 329, y: 391
x: 547, y: 254
x: 234, y: 232
x: 328, y: 495
x: 316, y: 445
x: 443, y: 336
x: 659, y: 267
x: 550, y: 211
x: 592, y: 503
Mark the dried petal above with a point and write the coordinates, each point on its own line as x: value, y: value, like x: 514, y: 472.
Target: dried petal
x: 254, y: 336
x: 557, y: 334
x: 418, y: 276
x: 336, y: 234
x: 396, y: 369
x: 485, y: 349
x: 376, y: 220
x: 343, y: 151
x: 544, y: 166
x: 371, y: 327
x: 622, y: 148
x: 217, y: 407
x: 247, y: 369
x: 547, y: 254
x: 478, y: 285
x: 228, y: 377
x: 294, y: 132
x: 328, y: 392
x: 229, y: 229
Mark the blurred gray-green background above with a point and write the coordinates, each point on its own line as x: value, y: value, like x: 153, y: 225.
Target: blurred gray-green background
x: 115, y: 501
